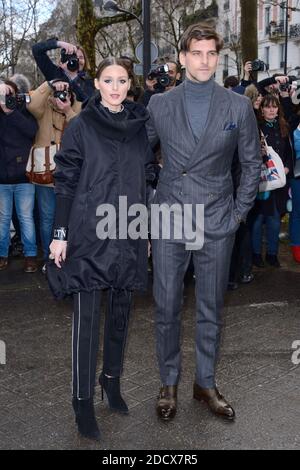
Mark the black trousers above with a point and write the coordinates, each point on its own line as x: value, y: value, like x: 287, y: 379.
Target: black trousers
x: 85, y: 338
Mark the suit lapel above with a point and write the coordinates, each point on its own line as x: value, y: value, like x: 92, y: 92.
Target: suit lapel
x: 177, y: 109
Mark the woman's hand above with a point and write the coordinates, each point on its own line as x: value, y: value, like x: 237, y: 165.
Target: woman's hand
x: 58, y: 251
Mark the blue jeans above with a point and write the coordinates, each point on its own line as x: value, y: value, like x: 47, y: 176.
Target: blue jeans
x: 23, y: 194
x: 273, y: 229
x: 46, y: 204
x: 295, y: 214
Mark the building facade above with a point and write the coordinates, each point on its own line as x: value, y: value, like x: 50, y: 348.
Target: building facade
x: 271, y: 36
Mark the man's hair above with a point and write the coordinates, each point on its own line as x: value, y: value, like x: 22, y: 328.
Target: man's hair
x: 231, y: 81
x: 199, y: 32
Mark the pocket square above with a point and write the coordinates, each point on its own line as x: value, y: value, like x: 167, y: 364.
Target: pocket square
x: 230, y: 126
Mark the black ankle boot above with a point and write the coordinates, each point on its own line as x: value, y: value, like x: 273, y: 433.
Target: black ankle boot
x: 86, y: 421
x: 111, y: 385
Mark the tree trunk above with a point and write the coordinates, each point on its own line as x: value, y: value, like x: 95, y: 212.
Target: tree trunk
x: 88, y: 25
x: 249, y: 39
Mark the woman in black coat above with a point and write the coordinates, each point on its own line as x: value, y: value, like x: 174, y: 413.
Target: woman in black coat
x: 100, y: 172
x: 271, y: 206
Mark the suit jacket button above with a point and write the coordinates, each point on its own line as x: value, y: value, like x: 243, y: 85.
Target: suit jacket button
x: 184, y: 173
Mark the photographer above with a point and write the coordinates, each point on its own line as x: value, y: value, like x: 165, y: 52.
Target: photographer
x: 53, y: 105
x: 72, y: 67
x: 165, y: 77
x: 18, y: 129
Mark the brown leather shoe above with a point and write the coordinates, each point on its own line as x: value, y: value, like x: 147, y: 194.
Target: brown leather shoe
x: 3, y: 263
x: 30, y: 264
x: 166, y: 406
x: 216, y: 402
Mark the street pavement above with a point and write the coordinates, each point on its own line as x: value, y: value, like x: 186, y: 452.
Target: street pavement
x: 256, y: 371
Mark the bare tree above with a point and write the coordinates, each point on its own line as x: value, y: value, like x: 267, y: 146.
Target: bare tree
x: 19, y: 20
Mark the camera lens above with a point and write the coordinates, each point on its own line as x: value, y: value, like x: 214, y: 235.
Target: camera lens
x: 10, y: 102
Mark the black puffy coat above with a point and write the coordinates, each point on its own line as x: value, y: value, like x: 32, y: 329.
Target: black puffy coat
x: 17, y: 132
x: 101, y: 159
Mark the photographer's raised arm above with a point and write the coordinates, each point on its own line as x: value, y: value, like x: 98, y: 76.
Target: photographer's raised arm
x: 43, y: 61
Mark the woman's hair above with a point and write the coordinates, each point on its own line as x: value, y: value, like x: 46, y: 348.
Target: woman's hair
x: 113, y: 61
x: 252, y: 93
x: 86, y: 60
x: 199, y: 32
x: 272, y: 100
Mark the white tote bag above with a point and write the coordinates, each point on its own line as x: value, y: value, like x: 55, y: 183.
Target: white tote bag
x: 272, y: 171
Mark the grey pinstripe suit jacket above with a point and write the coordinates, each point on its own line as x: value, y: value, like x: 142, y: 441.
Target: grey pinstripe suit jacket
x: 198, y: 171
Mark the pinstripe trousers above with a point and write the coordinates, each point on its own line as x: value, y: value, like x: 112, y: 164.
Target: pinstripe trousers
x: 85, y: 339
x: 211, y: 264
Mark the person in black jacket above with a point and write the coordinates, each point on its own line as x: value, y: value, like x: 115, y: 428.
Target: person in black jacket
x: 271, y: 206
x: 102, y: 158
x: 81, y: 83
x: 18, y: 129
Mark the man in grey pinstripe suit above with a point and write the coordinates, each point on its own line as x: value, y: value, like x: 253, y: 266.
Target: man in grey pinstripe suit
x: 199, y: 125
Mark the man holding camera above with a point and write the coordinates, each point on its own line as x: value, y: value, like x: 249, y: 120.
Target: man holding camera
x: 72, y: 67
x: 163, y: 78
x: 18, y: 129
x: 199, y: 125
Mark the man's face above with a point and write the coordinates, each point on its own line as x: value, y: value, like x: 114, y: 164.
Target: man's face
x: 201, y: 60
x: 172, y: 71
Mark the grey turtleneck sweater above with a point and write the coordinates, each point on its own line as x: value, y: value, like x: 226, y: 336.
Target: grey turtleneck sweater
x: 197, y: 99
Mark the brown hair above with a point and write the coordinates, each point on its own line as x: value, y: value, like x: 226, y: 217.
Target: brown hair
x: 274, y: 101
x: 87, y: 66
x: 200, y: 31
x: 113, y: 61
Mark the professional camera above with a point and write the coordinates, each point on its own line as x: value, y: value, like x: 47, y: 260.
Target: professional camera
x: 162, y: 77
x: 14, y: 101
x: 61, y: 95
x: 287, y: 86
x: 70, y: 59
x: 258, y: 66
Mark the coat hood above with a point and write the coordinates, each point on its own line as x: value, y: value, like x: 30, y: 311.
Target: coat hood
x: 123, y: 130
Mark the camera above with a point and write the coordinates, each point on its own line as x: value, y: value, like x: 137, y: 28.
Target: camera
x: 70, y: 59
x: 258, y: 66
x: 14, y: 101
x: 61, y: 95
x: 284, y: 87
x: 162, y: 77
x: 287, y: 86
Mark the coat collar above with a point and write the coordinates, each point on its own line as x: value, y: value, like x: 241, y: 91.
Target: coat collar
x: 122, y: 131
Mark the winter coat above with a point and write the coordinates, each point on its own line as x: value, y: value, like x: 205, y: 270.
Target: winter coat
x: 278, y: 197
x: 100, y: 160
x: 17, y: 132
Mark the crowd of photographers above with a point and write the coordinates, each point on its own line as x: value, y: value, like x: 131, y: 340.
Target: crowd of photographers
x: 32, y: 123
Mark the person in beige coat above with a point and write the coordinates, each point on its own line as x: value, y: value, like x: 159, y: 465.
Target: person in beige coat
x: 53, y: 116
